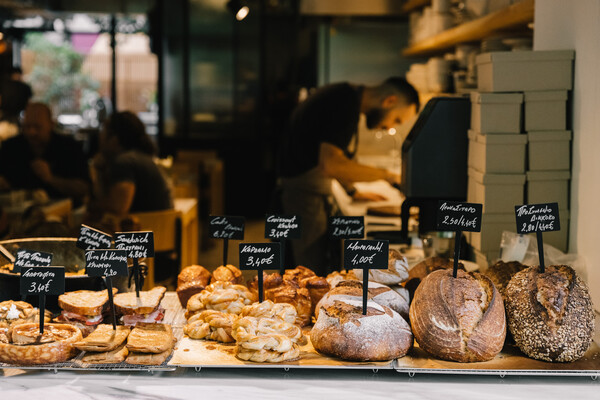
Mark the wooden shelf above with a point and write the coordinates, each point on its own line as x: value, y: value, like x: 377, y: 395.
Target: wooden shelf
x: 514, y: 16
x: 412, y: 5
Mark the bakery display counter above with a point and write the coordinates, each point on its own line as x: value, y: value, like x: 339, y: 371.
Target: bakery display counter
x: 203, y: 354
x: 509, y: 362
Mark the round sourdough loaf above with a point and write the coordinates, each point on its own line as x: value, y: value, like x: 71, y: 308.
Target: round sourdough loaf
x: 343, y: 331
x: 458, y: 319
x: 550, y: 314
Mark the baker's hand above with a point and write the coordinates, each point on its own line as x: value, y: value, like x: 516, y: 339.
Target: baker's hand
x: 367, y: 196
x: 42, y: 169
x: 393, y: 179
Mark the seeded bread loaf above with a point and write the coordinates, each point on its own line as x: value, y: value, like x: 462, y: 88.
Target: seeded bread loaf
x: 550, y: 314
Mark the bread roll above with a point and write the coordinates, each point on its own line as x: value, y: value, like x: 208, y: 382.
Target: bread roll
x: 306, y: 278
x: 396, y: 272
x: 343, y: 331
x: 191, y: 280
x: 458, y: 319
x: 550, y: 314
x: 280, y: 290
x: 227, y: 273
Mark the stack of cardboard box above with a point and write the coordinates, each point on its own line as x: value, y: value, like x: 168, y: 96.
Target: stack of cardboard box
x: 519, y: 145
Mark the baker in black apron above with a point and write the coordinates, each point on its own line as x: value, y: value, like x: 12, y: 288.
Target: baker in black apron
x: 319, y: 146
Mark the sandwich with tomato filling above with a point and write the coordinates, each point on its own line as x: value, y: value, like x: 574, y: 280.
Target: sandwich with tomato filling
x: 145, y: 309
x: 84, y: 309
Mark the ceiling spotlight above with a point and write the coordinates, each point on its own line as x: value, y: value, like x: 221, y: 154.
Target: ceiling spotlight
x: 239, y: 8
x: 242, y: 13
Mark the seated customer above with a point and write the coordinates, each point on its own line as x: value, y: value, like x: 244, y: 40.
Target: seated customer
x: 40, y: 158
x: 128, y: 180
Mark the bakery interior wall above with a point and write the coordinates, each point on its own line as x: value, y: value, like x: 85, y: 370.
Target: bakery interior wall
x: 574, y: 25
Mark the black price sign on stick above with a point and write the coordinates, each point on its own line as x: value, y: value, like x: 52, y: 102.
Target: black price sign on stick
x: 538, y: 218
x: 42, y: 281
x: 282, y: 227
x: 90, y: 238
x: 366, y: 254
x: 226, y: 227
x: 346, y: 227
x: 29, y: 258
x: 107, y: 263
x: 137, y: 245
x: 458, y: 217
x: 258, y: 257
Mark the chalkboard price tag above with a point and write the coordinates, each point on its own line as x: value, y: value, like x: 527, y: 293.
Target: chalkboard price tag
x: 90, y: 238
x: 282, y: 227
x: 226, y: 227
x: 136, y: 244
x: 42, y: 281
x: 537, y: 218
x: 107, y: 263
x: 346, y: 227
x: 29, y: 258
x: 260, y: 256
x: 366, y: 254
x: 457, y: 216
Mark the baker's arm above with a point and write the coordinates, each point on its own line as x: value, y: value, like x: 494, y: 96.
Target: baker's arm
x: 334, y: 164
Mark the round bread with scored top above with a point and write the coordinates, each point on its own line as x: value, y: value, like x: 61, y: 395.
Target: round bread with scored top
x: 343, y: 331
x: 458, y: 319
x: 550, y: 314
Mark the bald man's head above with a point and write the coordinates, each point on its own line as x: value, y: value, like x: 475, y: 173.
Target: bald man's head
x: 37, y: 124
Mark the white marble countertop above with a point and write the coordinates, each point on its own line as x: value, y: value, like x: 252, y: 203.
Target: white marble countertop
x: 294, y: 384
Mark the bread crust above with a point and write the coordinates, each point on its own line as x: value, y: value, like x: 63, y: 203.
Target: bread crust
x: 458, y: 319
x: 227, y: 273
x: 128, y: 304
x: 550, y: 315
x: 47, y: 353
x: 85, y: 302
x: 342, y: 331
x: 191, y: 280
x: 150, y: 338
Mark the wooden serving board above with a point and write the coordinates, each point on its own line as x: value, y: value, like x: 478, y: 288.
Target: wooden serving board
x: 206, y: 353
x: 510, y: 361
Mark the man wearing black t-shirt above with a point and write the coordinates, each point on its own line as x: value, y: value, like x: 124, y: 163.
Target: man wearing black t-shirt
x: 40, y: 158
x: 319, y: 146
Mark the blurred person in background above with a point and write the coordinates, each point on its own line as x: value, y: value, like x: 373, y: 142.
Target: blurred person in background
x: 126, y: 178
x: 319, y: 146
x: 40, y: 158
x: 14, y: 95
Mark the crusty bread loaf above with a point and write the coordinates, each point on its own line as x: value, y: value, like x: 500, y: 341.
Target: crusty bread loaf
x: 129, y: 304
x: 352, y: 290
x: 343, y: 331
x: 501, y: 273
x: 191, y: 280
x: 396, y: 272
x: 550, y: 314
x: 227, y: 273
x: 458, y: 319
x: 84, y: 302
x: 417, y: 273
